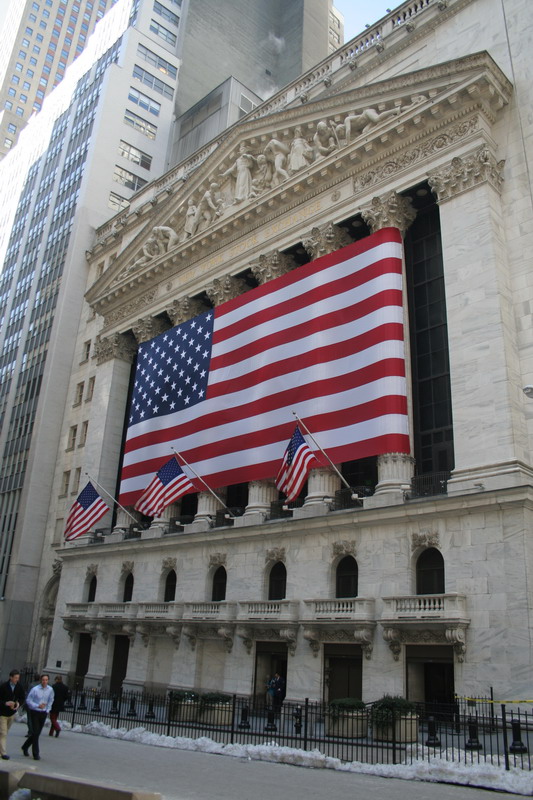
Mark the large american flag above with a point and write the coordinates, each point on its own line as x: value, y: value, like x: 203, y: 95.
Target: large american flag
x: 87, y: 509
x: 324, y: 341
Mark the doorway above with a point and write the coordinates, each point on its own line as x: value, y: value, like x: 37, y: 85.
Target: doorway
x: 270, y: 657
x: 430, y: 676
x: 82, y: 662
x: 343, y: 671
x: 120, y: 663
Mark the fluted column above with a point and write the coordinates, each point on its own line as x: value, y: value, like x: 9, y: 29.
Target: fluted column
x: 207, y: 509
x: 395, y: 470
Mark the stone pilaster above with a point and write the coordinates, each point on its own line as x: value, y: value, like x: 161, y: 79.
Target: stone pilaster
x: 394, y: 469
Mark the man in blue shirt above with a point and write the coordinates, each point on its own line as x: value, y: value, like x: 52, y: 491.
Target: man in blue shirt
x: 38, y: 703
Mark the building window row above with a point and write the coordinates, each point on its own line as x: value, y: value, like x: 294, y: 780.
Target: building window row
x: 143, y: 101
x: 161, y: 64
x: 128, y: 179
x: 154, y: 83
x: 166, y: 13
x: 162, y: 32
x: 134, y: 154
x: 142, y: 125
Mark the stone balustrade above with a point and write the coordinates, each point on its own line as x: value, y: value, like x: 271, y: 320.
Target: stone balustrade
x: 425, y: 607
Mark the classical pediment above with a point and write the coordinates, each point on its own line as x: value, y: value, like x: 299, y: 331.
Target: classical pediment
x: 263, y: 167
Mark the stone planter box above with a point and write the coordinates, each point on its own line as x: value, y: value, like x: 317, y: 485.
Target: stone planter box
x: 217, y: 714
x: 405, y: 730
x: 352, y: 725
x: 185, y: 711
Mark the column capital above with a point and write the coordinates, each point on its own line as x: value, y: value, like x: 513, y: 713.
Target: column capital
x: 148, y: 327
x: 223, y: 289
x: 461, y: 174
x: 389, y: 210
x: 325, y: 239
x: 184, y: 309
x: 120, y: 346
x: 271, y: 265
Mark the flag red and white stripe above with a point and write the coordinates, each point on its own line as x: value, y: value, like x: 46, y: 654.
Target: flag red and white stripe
x: 87, y: 509
x: 297, y: 462
x: 167, y: 486
x: 325, y: 340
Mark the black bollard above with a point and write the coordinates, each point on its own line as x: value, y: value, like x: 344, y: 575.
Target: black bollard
x: 82, y: 706
x: 432, y: 740
x: 131, y: 711
x: 271, y: 722
x: 473, y: 742
x: 114, y: 706
x: 517, y: 745
x: 297, y: 719
x: 96, y: 704
x: 244, y: 725
x: 150, y: 713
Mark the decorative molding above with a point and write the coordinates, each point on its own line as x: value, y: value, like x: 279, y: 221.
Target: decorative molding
x: 127, y: 566
x: 129, y: 309
x: 393, y: 638
x: 117, y: 346
x: 57, y: 567
x: 92, y: 569
x: 275, y: 554
x: 271, y: 266
x: 217, y: 560
x: 325, y: 239
x: 424, y: 539
x: 343, y: 548
x: 226, y: 633
x: 389, y: 210
x: 148, y: 327
x: 174, y: 631
x: 454, y: 635
x: 464, y: 173
x: 168, y: 563
x: 184, y: 309
x: 289, y: 635
x: 226, y: 288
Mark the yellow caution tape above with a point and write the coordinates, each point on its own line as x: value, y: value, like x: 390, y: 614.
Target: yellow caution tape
x: 488, y: 700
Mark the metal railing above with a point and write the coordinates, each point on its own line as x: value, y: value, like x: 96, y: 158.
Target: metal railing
x: 486, y: 732
x: 433, y: 483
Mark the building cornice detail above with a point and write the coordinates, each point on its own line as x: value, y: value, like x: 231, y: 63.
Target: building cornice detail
x: 389, y: 210
x: 466, y: 172
x: 148, y: 327
x: 117, y: 345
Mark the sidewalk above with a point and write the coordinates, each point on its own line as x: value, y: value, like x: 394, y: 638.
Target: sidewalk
x: 188, y: 775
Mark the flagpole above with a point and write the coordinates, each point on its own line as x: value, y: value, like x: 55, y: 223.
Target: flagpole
x: 232, y: 516
x: 136, y: 521
x: 306, y: 429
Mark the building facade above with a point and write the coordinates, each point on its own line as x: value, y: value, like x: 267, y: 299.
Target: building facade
x: 415, y: 583
x: 103, y: 134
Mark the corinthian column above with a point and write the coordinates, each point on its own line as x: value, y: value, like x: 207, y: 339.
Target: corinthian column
x: 395, y: 470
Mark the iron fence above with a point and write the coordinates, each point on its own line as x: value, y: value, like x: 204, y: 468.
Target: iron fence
x: 491, y: 733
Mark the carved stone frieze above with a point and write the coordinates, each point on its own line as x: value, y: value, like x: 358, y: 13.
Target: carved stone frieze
x: 217, y: 560
x: 118, y: 345
x: 57, y: 566
x: 464, y: 173
x: 389, y: 210
x: 413, y: 155
x: 132, y: 307
x: 92, y: 569
x: 325, y: 239
x: 275, y: 554
x: 343, y: 548
x: 148, y: 327
x: 184, y: 309
x: 168, y: 563
x: 271, y: 266
x: 450, y: 634
x: 424, y: 539
x: 223, y: 289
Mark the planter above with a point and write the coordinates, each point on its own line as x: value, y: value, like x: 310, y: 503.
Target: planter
x: 349, y: 725
x: 217, y: 714
x: 184, y: 711
x: 405, y: 730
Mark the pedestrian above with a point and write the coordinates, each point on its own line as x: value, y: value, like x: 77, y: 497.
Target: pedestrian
x: 12, y: 696
x: 61, y: 693
x: 279, y: 691
x: 38, y: 704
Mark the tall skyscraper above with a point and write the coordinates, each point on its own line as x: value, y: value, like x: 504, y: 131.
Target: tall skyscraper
x: 103, y: 133
x: 41, y: 39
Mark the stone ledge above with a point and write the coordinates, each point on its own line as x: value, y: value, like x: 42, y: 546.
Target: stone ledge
x: 50, y: 787
x: 9, y: 781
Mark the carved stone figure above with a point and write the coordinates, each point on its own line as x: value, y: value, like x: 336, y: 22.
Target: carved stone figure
x: 325, y: 140
x: 301, y: 153
x: 210, y: 206
x: 276, y: 152
x: 354, y: 124
x: 151, y: 249
x: 262, y: 179
x: 190, y: 220
x: 166, y: 237
x: 241, y: 170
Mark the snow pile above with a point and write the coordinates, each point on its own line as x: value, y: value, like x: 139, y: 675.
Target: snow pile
x: 460, y: 769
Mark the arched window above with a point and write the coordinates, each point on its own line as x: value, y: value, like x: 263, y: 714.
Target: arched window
x: 347, y: 575
x: 277, y: 582
x: 91, y: 594
x: 430, y: 572
x: 128, y: 588
x: 219, y: 585
x: 170, y: 587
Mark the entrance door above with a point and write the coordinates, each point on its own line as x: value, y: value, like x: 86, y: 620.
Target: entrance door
x: 271, y: 657
x: 438, y: 684
x: 343, y: 669
x: 120, y: 663
x: 430, y: 678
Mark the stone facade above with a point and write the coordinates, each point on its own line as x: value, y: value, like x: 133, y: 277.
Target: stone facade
x: 369, y: 150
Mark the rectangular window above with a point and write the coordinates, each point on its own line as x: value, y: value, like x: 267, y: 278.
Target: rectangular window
x: 86, y: 351
x: 72, y: 434
x: 65, y: 483
x: 19, y: 112
x: 133, y: 154
x: 117, y: 202
x: 164, y: 12
x: 90, y: 389
x: 128, y: 179
x: 36, y: 49
x: 23, y: 98
x: 18, y: 66
x: 22, y: 54
x: 15, y: 79
x: 140, y: 124
x: 83, y: 433
x: 144, y: 101
x: 152, y: 58
x: 30, y: 73
x: 154, y: 83
x: 26, y: 85
x: 162, y: 32
x: 78, y: 394
x: 8, y: 143
x: 76, y: 480
x: 8, y: 104
x: 25, y: 42
x: 11, y: 128
x: 11, y: 92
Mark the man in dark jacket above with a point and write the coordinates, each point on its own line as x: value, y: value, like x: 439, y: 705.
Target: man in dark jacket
x: 12, y: 695
x: 60, y: 698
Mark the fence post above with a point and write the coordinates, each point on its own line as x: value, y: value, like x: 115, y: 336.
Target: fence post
x: 306, y: 721
x: 505, y: 740
x: 473, y: 742
x: 233, y: 710
x: 74, y: 706
x: 150, y: 713
x: 393, y: 736
x: 169, y: 711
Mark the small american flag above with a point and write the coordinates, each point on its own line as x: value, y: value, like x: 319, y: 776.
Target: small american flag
x: 169, y: 484
x: 297, y: 462
x: 87, y: 509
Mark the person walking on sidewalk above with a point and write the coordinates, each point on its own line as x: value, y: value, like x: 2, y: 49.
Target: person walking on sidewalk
x: 61, y: 693
x: 11, y: 698
x: 38, y: 704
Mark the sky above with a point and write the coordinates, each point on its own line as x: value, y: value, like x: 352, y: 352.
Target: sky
x: 358, y: 13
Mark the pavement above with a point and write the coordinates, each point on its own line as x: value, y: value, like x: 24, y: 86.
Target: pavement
x: 185, y: 775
